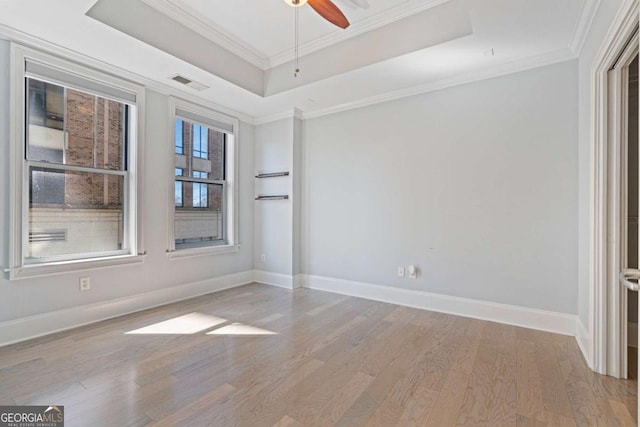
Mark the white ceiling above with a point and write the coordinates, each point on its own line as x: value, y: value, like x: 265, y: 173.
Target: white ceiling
x: 521, y: 33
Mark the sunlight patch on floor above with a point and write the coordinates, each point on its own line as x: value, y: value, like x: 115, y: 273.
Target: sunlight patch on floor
x: 183, y: 325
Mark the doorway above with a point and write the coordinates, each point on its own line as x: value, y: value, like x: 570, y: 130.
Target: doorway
x: 605, y: 345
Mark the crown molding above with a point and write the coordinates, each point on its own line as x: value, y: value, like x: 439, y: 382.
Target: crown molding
x: 583, y: 26
x: 549, y: 58
x: 188, y: 17
x: 214, y: 33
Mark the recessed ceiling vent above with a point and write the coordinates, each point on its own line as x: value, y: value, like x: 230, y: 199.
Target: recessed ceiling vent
x: 188, y: 82
x: 180, y: 79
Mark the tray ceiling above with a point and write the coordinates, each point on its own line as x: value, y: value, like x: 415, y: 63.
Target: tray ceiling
x: 243, y: 59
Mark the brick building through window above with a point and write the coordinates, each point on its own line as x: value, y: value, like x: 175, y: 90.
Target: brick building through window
x: 76, y: 145
x: 199, y: 184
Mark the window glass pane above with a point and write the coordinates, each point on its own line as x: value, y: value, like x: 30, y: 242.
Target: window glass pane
x: 47, y: 187
x: 178, y: 194
x: 70, y: 127
x: 46, y: 105
x: 199, y: 222
x: 217, y: 155
x: 195, y: 139
x: 200, y: 195
x: 200, y: 142
x: 179, y: 138
x: 74, y: 213
x: 204, y: 143
x: 178, y: 188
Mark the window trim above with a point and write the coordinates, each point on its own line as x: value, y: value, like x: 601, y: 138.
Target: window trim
x: 178, y: 107
x: 18, y: 167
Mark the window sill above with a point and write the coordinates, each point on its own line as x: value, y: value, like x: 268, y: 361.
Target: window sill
x: 210, y: 250
x: 62, y: 267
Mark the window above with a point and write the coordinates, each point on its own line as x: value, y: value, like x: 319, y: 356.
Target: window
x: 203, y: 215
x: 200, y: 141
x: 76, y: 170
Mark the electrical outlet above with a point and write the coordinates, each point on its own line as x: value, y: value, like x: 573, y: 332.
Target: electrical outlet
x: 263, y: 258
x: 401, y: 272
x: 85, y: 284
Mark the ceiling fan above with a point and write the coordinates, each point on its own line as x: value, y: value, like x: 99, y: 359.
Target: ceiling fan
x: 329, y: 11
x: 325, y: 8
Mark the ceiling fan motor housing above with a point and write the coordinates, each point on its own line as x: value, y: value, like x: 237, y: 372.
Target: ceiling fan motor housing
x: 296, y: 3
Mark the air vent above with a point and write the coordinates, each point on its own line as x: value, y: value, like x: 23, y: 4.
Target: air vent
x: 180, y: 79
x: 188, y: 82
x: 48, y: 236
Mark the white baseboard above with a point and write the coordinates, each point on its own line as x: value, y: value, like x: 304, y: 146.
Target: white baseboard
x: 512, y: 315
x: 632, y: 334
x: 280, y: 280
x: 584, y: 342
x: 43, y: 324
x: 30, y: 327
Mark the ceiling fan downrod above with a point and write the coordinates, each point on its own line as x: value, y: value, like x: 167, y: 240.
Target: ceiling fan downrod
x: 296, y: 43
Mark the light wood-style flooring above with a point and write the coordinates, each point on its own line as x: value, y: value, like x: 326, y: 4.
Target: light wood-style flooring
x: 310, y: 358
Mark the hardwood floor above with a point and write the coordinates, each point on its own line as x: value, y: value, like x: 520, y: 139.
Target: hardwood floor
x: 310, y: 359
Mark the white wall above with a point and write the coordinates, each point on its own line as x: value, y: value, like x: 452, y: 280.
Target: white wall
x: 23, y: 298
x: 476, y: 185
x: 601, y: 23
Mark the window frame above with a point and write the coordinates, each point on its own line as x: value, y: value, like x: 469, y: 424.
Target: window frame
x: 230, y: 187
x: 19, y: 166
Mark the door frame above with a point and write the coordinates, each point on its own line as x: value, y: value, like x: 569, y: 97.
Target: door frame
x: 618, y: 132
x: 607, y: 301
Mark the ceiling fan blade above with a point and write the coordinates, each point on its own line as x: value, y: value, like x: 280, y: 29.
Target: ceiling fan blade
x: 330, y: 12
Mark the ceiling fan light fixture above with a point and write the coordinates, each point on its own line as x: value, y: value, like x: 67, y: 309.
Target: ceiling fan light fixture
x: 296, y: 3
